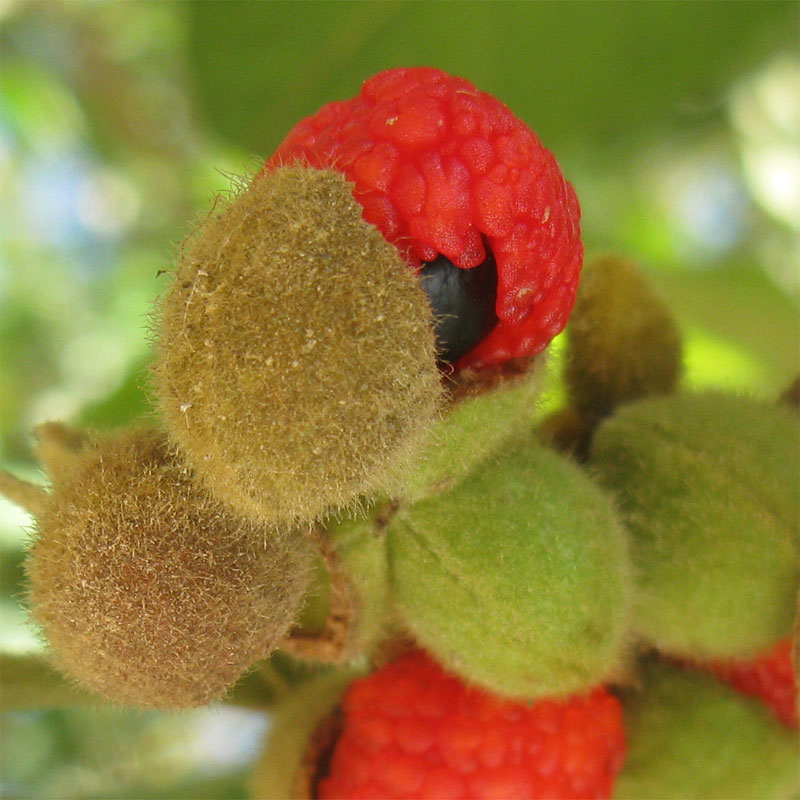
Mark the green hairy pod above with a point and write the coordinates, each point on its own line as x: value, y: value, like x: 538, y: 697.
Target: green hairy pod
x: 708, y: 486
x: 475, y: 427
x: 692, y: 737
x: 518, y: 577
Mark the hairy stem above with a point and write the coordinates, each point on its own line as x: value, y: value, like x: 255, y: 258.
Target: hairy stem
x: 27, y: 495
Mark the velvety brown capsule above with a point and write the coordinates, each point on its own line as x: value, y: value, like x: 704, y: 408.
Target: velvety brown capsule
x: 296, y: 363
x: 147, y: 590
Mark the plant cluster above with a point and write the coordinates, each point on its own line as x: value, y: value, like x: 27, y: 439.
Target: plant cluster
x: 346, y: 474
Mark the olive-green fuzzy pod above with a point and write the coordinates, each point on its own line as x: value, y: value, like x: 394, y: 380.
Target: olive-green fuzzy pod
x: 708, y: 485
x: 517, y: 578
x: 622, y: 343
x: 296, y: 359
x: 691, y: 737
x: 149, y: 591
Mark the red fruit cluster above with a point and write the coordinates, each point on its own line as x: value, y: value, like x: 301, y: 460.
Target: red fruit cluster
x: 770, y: 677
x: 444, y: 169
x: 413, y: 731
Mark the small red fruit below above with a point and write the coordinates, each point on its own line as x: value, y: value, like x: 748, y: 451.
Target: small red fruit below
x: 413, y: 731
x: 444, y: 170
x: 770, y: 677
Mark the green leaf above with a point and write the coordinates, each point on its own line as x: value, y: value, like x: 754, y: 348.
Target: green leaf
x: 734, y: 316
x: 573, y: 71
x: 128, y: 403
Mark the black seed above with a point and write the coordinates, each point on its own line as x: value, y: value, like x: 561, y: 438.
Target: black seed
x: 463, y: 303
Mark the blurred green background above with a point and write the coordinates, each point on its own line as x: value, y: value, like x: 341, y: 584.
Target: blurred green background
x: 677, y: 122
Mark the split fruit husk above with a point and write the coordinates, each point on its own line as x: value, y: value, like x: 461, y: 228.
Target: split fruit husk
x: 304, y: 727
x: 346, y: 614
x: 360, y: 546
x: 708, y: 486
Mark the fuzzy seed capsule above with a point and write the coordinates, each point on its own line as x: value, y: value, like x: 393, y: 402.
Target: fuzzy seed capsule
x: 690, y: 736
x: 517, y: 578
x: 148, y: 591
x: 622, y: 342
x: 708, y: 486
x: 296, y: 363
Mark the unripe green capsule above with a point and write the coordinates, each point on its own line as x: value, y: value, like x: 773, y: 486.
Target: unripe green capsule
x: 708, y: 485
x: 518, y: 577
x: 475, y: 427
x: 691, y: 737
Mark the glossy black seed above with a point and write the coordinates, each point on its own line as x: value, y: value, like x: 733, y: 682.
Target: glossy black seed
x: 463, y: 302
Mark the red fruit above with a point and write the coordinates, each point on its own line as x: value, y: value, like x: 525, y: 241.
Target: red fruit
x: 413, y: 731
x: 443, y: 169
x: 770, y: 677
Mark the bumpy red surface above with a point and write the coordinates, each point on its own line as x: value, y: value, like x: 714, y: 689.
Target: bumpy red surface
x: 441, y: 168
x: 412, y: 731
x: 770, y: 677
